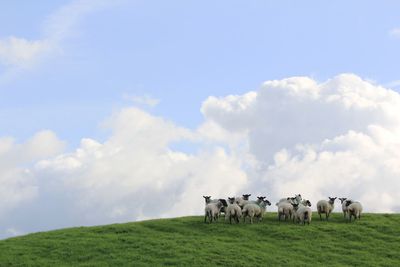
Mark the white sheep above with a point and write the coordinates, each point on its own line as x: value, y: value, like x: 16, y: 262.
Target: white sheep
x: 325, y: 206
x: 208, y: 200
x: 212, y: 211
x: 354, y: 208
x: 243, y: 200
x: 344, y: 207
x: 233, y: 211
x: 303, y: 213
x: 296, y: 199
x: 285, y: 209
x: 255, y: 210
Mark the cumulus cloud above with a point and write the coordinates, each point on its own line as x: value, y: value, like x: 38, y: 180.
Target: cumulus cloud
x: 296, y: 135
x: 339, y: 137
x: 135, y: 175
x: 18, y: 183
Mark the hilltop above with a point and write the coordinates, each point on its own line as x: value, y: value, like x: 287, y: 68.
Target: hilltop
x: 373, y: 241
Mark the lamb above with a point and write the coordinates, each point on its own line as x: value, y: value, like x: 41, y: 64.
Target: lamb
x: 303, y: 212
x: 212, y: 211
x: 324, y: 206
x: 354, y: 208
x: 255, y: 210
x: 233, y: 211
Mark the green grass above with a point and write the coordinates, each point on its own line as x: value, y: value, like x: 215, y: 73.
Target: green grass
x: 187, y: 241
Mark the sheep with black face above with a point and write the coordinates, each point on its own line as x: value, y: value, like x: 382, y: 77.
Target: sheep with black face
x: 326, y: 206
x: 252, y: 210
x: 303, y: 213
x: 233, y: 211
x: 212, y: 211
x: 354, y: 209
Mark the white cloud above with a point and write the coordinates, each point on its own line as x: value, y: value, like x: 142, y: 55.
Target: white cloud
x: 18, y: 183
x: 145, y: 100
x: 135, y: 175
x: 20, y: 53
x: 395, y: 33
x: 338, y: 137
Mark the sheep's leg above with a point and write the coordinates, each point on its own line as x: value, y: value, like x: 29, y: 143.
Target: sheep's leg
x: 230, y: 219
x: 205, y: 218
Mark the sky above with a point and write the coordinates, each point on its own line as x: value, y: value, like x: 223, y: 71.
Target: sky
x: 109, y: 107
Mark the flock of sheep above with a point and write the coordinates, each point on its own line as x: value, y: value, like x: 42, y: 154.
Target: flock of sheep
x: 293, y: 208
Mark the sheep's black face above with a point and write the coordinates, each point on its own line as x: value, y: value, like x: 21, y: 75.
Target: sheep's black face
x: 207, y: 199
x: 348, y: 202
x: 332, y: 200
x: 295, y: 205
x: 267, y: 202
x: 342, y: 199
x: 231, y: 200
x: 246, y: 196
x: 261, y: 198
x: 308, y: 203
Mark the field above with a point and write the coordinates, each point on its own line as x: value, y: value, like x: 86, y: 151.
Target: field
x: 373, y: 241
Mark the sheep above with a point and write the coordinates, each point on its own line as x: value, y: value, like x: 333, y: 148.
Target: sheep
x: 255, y: 210
x: 354, y: 208
x: 243, y: 200
x: 296, y: 199
x: 303, y: 213
x: 212, y: 211
x: 233, y: 211
x: 344, y: 207
x: 285, y: 209
x: 208, y: 200
x: 324, y: 206
x: 258, y: 201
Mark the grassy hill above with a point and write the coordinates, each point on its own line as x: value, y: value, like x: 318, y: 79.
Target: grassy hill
x: 373, y: 241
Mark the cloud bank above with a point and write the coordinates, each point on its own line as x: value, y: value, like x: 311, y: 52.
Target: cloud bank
x: 296, y: 135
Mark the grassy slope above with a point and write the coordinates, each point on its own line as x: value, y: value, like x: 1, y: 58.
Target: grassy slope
x: 373, y: 241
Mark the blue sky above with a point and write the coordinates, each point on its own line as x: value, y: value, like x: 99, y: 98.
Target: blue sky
x: 108, y: 106
x: 181, y: 52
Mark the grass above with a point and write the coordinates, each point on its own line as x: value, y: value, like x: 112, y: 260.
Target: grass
x: 187, y: 241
